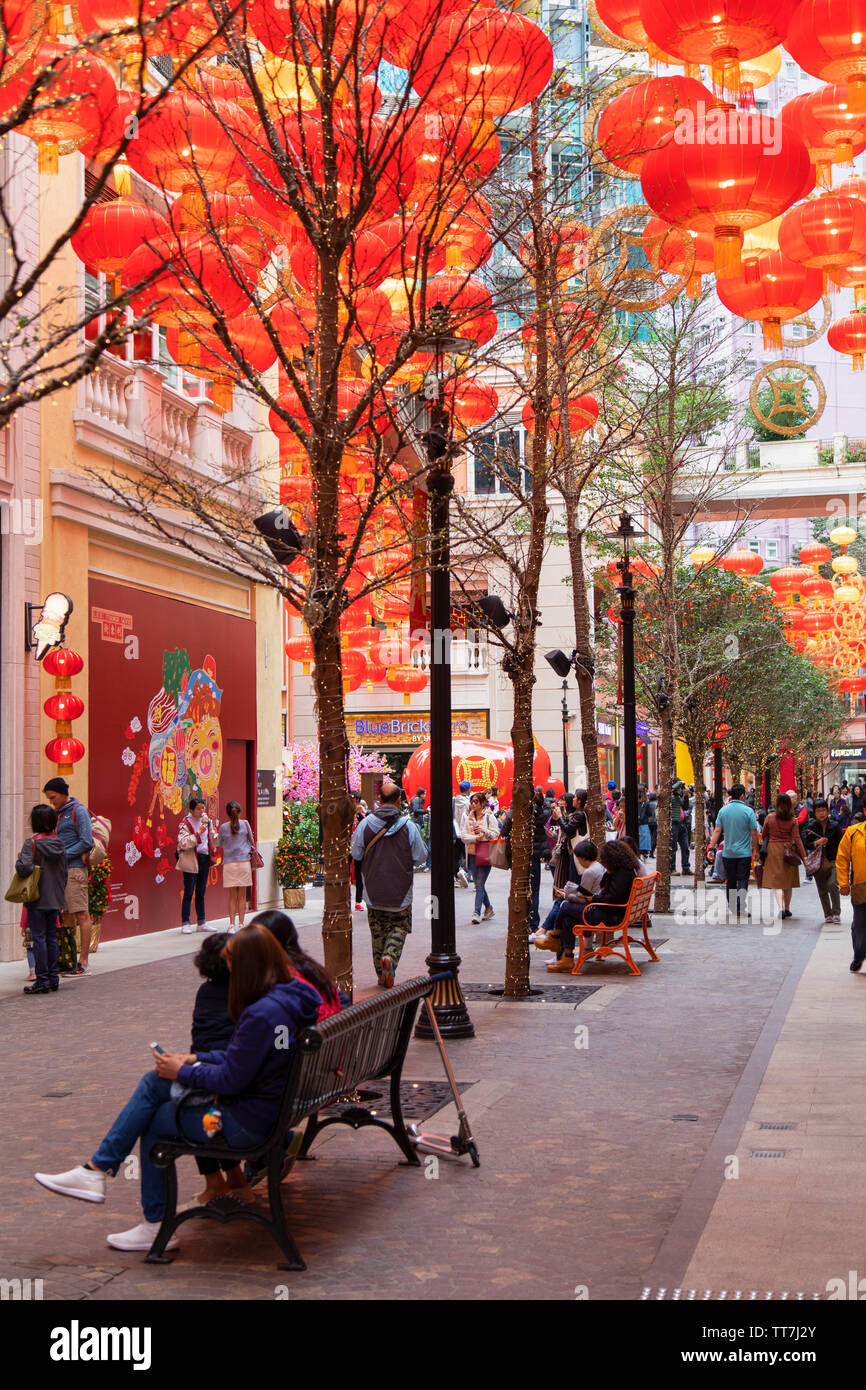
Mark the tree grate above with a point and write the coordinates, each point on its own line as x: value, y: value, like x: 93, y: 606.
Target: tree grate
x: 776, y: 1124
x: 768, y: 1153
x: 541, y: 994
x: 418, y: 1099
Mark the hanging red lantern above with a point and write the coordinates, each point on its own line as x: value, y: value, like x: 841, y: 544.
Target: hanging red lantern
x: 815, y: 589
x: 407, y: 680
x: 111, y: 232
x: 65, y: 752
x: 300, y: 648
x: 63, y: 663
x: 201, y: 353
x: 742, y: 562
x: 644, y: 117
x: 826, y: 37
x: 470, y: 402
x: 484, y: 62
x: 778, y: 289
x: 719, y: 34
x: 816, y: 553
x: 789, y: 580
x: 64, y: 706
x: 623, y: 18
x: 582, y: 415
x: 679, y: 252
x: 826, y: 233
x: 183, y: 276
x: 75, y: 99
x: 707, y: 186
x: 190, y: 143
x: 834, y: 131
x: 848, y: 335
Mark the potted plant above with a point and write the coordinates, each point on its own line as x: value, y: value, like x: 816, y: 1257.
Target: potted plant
x: 297, y: 851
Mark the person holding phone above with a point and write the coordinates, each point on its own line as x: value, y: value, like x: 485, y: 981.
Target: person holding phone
x: 479, y: 828
x: 240, y: 1086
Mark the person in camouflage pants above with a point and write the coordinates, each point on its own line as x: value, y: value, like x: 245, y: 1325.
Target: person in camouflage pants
x: 389, y: 845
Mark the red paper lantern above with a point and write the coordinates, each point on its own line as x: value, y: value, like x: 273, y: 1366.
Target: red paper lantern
x: 471, y: 402
x: 643, y: 118
x: 64, y: 706
x: 680, y: 252
x: 815, y: 588
x: 63, y: 663
x: 623, y: 18
x: 582, y: 415
x: 484, y: 62
x: 706, y: 186
x: 777, y: 289
x: 826, y: 37
x: 189, y: 142
x: 65, y: 752
x: 742, y: 562
x: 816, y: 554
x: 826, y: 233
x: 300, y: 648
x: 848, y: 335
x: 789, y: 580
x: 183, y: 277
x: 721, y: 34
x: 111, y: 232
x: 834, y: 131
x: 76, y: 98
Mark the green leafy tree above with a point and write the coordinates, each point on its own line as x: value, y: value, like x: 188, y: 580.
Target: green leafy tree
x: 788, y: 407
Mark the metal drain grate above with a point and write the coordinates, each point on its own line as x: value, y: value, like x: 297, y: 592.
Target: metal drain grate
x: 543, y: 994
x: 418, y: 1099
x: 774, y: 1124
x: 768, y: 1153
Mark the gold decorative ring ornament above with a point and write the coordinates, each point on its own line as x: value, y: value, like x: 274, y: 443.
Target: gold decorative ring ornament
x: 807, y: 320
x: 606, y: 94
x: 804, y: 373
x: 626, y: 239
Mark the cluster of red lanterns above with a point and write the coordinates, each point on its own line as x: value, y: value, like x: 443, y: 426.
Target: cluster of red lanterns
x: 63, y: 706
x: 728, y: 186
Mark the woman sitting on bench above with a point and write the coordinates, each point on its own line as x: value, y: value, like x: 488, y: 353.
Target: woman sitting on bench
x: 240, y: 1088
x: 622, y: 867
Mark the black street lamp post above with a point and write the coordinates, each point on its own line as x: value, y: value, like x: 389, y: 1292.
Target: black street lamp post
x: 565, y: 718
x: 626, y: 532
x: 447, y: 1000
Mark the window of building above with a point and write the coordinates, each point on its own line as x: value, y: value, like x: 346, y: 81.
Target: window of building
x: 755, y: 547
x: 497, y: 456
x: 772, y: 550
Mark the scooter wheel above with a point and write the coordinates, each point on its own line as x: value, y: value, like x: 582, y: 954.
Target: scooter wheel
x: 473, y: 1154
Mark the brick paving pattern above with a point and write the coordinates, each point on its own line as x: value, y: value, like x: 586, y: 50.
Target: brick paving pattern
x: 583, y: 1167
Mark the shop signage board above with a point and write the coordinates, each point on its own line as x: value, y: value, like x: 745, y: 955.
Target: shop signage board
x: 385, y: 729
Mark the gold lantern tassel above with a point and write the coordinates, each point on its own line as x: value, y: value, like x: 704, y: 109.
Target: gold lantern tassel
x: 824, y: 174
x: 726, y: 72
x: 857, y: 93
x: 123, y: 178
x: 772, y: 335
x: 56, y: 18
x: 859, y: 294
x: 407, y: 698
x: 223, y: 394
x: 857, y: 362
x: 694, y: 287
x: 844, y: 152
x: 727, y: 243
x: 48, y: 161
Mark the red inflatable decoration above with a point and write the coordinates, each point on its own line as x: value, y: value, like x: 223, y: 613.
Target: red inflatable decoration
x: 477, y: 760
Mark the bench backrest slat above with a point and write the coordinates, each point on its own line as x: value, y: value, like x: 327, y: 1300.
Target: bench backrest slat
x: 640, y: 898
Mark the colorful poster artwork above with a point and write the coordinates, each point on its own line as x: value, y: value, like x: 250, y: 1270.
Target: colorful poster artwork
x: 181, y: 756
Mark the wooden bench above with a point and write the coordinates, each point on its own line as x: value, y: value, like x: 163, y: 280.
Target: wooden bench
x: 365, y: 1042
x: 634, y: 914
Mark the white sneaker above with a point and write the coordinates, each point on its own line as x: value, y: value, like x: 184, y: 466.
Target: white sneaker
x: 80, y: 1182
x: 204, y: 927
x: 462, y: 878
x: 186, y: 929
x: 139, y: 1237
x: 475, y: 919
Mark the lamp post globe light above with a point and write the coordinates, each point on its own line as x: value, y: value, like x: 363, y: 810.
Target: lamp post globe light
x: 443, y: 962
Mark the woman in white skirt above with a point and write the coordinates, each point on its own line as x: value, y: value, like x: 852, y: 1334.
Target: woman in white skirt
x: 237, y: 844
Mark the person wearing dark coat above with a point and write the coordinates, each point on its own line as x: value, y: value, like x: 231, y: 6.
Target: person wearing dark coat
x: 46, y: 851
x: 823, y: 831
x: 212, y: 1029
x: 621, y: 867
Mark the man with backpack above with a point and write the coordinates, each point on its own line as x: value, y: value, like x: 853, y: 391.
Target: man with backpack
x: 851, y: 873
x: 390, y: 847
x: 75, y: 830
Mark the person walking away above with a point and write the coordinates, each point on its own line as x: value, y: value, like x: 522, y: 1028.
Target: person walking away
x: 823, y: 831
x: 196, y: 846
x: 236, y: 841
x: 355, y: 864
x: 652, y: 799
x: 44, y: 850
x: 420, y: 816
x: 480, y: 827
x: 644, y: 838
x: 389, y: 845
x: 459, y: 807
x: 76, y: 831
x: 784, y: 847
x: 851, y: 873
x: 737, y: 825
x: 680, y: 825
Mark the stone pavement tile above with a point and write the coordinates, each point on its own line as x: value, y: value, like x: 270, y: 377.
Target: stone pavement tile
x: 583, y: 1165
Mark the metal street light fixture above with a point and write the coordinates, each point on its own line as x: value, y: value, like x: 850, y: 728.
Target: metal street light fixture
x: 447, y: 1002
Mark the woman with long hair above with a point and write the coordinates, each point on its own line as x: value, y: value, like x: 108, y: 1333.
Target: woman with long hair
x: 621, y: 867
x: 237, y: 844
x: 303, y: 966
x: 781, y: 839
x: 196, y: 849
x: 240, y: 1088
x: 479, y: 828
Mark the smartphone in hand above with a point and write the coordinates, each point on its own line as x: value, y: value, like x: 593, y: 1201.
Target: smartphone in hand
x: 155, y: 1047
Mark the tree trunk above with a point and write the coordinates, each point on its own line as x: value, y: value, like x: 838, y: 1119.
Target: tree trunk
x: 336, y: 806
x: 522, y: 829
x: 697, y: 756
x: 667, y: 764
x: 585, y: 680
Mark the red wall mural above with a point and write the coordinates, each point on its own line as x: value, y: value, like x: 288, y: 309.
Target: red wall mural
x: 172, y: 715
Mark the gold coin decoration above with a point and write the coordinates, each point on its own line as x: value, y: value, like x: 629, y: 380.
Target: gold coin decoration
x: 626, y: 239
x: 808, y: 322
x: 595, y: 109
x: 804, y: 373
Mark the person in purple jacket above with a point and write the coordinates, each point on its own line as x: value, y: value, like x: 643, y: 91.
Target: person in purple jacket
x: 267, y: 1003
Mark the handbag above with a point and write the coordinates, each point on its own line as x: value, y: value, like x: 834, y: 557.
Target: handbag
x: 256, y: 860
x: 790, y: 856
x: 815, y: 863
x: 498, y: 854
x: 482, y: 854
x: 25, y: 890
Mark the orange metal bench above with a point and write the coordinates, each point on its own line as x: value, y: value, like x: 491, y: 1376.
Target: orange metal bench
x: 635, y: 913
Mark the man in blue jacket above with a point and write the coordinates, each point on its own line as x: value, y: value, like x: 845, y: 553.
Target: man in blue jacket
x: 76, y: 832
x: 390, y: 846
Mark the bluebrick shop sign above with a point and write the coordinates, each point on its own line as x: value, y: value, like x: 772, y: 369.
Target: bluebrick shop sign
x: 411, y: 728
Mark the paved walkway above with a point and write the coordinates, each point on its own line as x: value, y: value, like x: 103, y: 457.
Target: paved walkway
x: 602, y: 1127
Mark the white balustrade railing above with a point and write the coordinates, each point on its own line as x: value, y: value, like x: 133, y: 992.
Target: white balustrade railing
x: 106, y: 393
